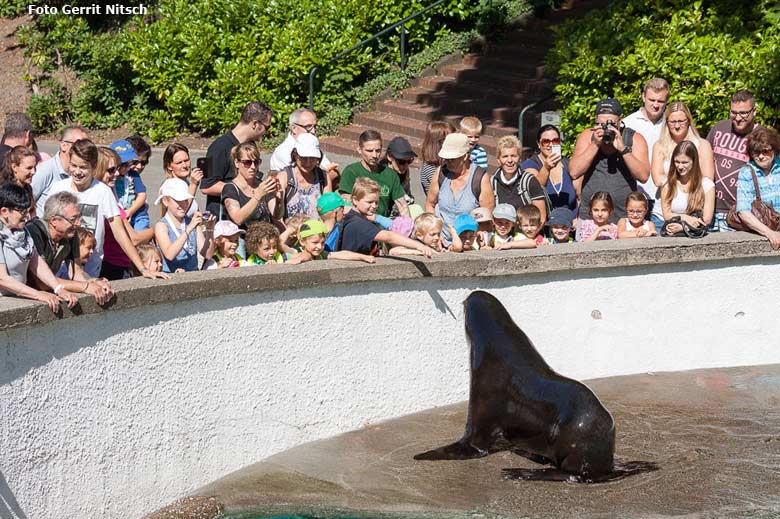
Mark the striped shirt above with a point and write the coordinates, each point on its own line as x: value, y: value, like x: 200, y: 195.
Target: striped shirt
x: 478, y: 156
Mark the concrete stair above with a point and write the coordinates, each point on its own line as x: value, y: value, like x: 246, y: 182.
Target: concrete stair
x: 494, y: 86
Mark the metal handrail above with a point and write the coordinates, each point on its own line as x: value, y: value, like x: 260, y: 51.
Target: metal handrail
x: 520, y: 121
x: 384, y: 31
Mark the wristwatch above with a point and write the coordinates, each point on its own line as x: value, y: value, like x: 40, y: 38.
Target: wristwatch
x: 626, y: 150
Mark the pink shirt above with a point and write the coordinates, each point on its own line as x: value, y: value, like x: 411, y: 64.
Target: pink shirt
x: 112, y: 251
x: 588, y: 227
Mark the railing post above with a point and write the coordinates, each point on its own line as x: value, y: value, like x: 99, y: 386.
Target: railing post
x: 403, y: 47
x: 311, y: 88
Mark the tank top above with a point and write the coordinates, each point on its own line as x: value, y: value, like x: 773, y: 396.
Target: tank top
x: 300, y: 199
x: 187, y: 258
x: 611, y: 174
x: 450, y: 205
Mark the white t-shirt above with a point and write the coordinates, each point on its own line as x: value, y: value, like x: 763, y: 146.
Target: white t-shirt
x: 16, y: 268
x: 680, y: 200
x: 97, y: 203
x: 282, y: 156
x: 651, y: 132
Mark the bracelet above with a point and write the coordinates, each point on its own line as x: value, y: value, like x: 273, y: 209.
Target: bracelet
x: 58, y: 288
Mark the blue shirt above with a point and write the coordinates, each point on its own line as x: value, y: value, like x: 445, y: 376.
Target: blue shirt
x: 187, y: 258
x: 769, y: 185
x: 478, y: 156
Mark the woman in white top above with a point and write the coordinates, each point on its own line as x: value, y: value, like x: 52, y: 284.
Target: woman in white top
x: 678, y: 126
x: 687, y: 192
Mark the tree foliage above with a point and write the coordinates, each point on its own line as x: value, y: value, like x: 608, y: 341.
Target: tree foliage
x: 705, y: 49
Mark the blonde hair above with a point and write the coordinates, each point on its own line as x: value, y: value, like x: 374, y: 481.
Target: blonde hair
x: 365, y: 186
x: 145, y: 250
x: 656, y: 84
x: 507, y: 142
x: 531, y: 213
x: 470, y: 125
x: 105, y: 156
x: 665, y: 141
x: 250, y: 148
x: 425, y: 223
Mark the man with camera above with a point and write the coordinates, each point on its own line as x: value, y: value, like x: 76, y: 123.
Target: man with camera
x: 612, y: 158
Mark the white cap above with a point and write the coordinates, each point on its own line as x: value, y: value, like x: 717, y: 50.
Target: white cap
x: 308, y: 145
x: 226, y: 228
x: 455, y: 146
x: 175, y: 188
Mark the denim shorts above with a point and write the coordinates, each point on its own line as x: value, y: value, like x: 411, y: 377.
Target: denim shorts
x: 719, y: 223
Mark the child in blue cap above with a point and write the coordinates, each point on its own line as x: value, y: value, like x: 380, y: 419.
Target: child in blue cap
x: 464, y: 233
x: 130, y: 189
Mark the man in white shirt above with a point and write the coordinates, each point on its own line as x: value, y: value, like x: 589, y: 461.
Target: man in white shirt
x: 302, y: 121
x: 648, y: 122
x: 56, y: 168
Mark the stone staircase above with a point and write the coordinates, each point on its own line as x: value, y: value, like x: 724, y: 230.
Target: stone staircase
x: 493, y: 86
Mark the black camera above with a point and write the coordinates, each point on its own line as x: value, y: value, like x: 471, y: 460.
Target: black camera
x: 608, y: 136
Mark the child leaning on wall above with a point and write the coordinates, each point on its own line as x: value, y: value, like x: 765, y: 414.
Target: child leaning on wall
x: 311, y: 235
x: 427, y: 230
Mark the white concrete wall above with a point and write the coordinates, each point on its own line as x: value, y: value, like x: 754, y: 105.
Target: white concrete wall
x: 116, y: 414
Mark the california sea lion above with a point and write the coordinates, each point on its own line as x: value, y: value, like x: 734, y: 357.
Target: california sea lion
x: 518, y: 403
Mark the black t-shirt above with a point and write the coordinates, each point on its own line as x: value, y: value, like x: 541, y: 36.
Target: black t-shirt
x: 516, y: 194
x: 261, y: 212
x: 221, y: 169
x: 54, y: 254
x: 358, y: 233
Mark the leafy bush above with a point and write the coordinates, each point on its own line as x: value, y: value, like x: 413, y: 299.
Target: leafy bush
x: 199, y: 61
x: 706, y: 50
x: 11, y: 8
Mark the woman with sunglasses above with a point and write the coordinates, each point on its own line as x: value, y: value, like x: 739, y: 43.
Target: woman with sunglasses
x: 116, y: 264
x: 19, y: 169
x: 399, y: 157
x: 249, y: 198
x: 18, y: 255
x: 763, y: 148
x: 551, y: 169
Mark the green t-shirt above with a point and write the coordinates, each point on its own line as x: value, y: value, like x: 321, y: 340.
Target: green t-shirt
x: 387, y: 179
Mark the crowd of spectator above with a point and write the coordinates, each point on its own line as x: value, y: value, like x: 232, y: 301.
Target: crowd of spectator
x: 79, y: 220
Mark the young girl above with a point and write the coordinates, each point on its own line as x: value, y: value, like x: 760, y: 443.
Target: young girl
x: 687, y: 194
x: 150, y: 257
x: 634, y: 225
x: 312, y: 237
x: 87, y: 244
x: 179, y: 236
x: 529, y: 219
x: 427, y: 230
x: 464, y: 234
x: 504, y: 221
x: 560, y: 224
x: 598, y: 226
x: 263, y: 245
x: 226, y: 235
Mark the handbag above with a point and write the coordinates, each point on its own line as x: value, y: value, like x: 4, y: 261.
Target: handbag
x: 765, y: 213
x: 688, y: 231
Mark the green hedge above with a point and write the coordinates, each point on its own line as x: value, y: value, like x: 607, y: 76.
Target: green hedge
x: 706, y: 50
x: 195, y: 63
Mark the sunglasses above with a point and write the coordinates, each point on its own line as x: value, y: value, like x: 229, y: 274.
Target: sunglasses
x: 545, y: 142
x: 307, y: 127
x: 404, y: 162
x: 138, y: 162
x: 112, y: 170
x: 248, y: 163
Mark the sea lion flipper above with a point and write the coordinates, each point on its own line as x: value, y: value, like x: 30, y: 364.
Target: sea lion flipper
x: 455, y: 451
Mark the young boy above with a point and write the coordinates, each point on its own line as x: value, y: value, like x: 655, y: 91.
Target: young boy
x: 560, y: 223
x: 311, y: 235
x: 359, y: 234
x: 87, y: 244
x: 504, y: 221
x: 529, y: 220
x: 262, y: 245
x: 330, y: 207
x: 464, y: 233
x: 471, y: 127
x: 129, y: 187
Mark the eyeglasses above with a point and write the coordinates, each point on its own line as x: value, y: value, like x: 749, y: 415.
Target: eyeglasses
x: 308, y: 127
x: 734, y: 113
x: 68, y: 142
x: 265, y: 126
x: 248, y: 163
x: 72, y: 220
x: 24, y: 211
x: 545, y: 142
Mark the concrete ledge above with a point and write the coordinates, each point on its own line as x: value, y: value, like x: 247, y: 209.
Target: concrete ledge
x: 16, y: 313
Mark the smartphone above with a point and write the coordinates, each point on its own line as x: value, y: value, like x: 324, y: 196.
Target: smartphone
x: 204, y: 163
x: 556, y: 149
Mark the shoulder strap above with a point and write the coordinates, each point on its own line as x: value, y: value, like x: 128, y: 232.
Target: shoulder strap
x: 525, y: 186
x: 755, y: 182
x: 39, y: 237
x: 441, y: 175
x: 476, y: 182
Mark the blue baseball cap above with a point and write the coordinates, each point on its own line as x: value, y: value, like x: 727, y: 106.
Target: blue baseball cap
x: 560, y: 216
x: 125, y: 150
x: 465, y: 222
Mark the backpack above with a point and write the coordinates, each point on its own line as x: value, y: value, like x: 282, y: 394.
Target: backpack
x: 476, y: 181
x: 525, y: 184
